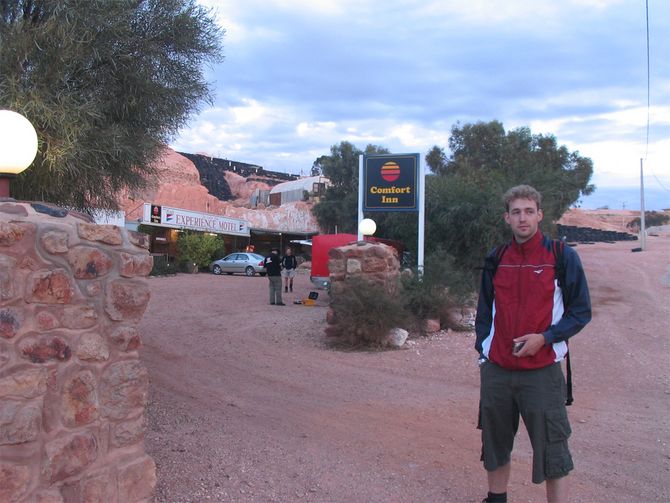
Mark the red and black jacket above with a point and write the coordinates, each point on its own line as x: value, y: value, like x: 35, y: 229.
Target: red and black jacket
x: 522, y: 294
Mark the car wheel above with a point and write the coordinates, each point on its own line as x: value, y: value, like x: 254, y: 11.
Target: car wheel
x: 249, y: 271
x: 216, y: 269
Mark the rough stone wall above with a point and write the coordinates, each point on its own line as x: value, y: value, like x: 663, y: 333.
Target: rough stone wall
x: 376, y: 261
x: 73, y: 392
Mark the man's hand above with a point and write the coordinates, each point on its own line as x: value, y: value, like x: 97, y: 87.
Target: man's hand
x: 532, y: 344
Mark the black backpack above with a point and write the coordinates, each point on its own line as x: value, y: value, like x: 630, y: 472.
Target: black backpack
x: 557, y: 247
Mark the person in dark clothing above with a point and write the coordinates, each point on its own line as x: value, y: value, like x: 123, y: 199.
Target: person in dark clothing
x: 289, y: 268
x: 525, y: 316
x: 272, y: 265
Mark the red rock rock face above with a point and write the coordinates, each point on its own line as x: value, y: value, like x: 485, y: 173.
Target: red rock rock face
x: 89, y: 262
x: 73, y: 392
x: 9, y: 323
x: 69, y: 455
x: 126, y: 300
x: 124, y: 389
x: 80, y: 399
x: 135, y: 265
x: 20, y: 421
x: 50, y: 287
x: 178, y: 185
x: 43, y: 349
x: 14, y: 481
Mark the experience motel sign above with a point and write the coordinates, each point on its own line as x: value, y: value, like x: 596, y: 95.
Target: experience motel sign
x: 165, y: 216
x: 390, y: 182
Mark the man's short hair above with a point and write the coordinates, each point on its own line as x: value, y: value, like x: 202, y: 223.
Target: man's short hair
x: 522, y: 192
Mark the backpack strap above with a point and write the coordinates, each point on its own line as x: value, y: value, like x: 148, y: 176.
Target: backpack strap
x: 568, y: 378
x: 558, y: 247
x: 496, y: 257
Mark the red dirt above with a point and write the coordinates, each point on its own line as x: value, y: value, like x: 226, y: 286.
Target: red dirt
x: 249, y: 403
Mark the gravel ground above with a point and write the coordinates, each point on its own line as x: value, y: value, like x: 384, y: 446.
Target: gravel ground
x: 249, y: 403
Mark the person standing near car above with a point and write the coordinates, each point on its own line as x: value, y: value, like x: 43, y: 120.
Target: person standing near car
x: 533, y: 298
x: 289, y: 267
x: 272, y: 264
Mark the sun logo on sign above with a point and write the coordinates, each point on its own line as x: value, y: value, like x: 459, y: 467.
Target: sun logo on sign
x: 390, y: 171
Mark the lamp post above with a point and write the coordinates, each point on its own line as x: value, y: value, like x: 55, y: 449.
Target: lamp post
x: 18, y: 147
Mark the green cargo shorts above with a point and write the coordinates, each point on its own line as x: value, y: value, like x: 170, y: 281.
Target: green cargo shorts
x: 538, y: 396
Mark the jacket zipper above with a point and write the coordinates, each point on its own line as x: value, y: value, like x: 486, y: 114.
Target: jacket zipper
x: 518, y: 296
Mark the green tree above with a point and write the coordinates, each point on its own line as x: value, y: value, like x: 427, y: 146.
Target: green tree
x: 479, y: 150
x: 198, y: 248
x: 436, y: 160
x: 463, y: 205
x: 464, y: 217
x: 339, y: 206
x: 106, y: 83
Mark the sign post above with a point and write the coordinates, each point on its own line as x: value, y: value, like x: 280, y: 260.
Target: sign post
x: 392, y: 182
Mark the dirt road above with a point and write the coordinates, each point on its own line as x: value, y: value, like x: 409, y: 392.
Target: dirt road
x: 248, y: 402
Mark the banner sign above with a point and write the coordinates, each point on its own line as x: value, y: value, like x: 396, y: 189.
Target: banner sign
x: 390, y: 182
x: 164, y: 216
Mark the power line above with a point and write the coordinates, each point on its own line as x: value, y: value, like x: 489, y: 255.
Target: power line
x: 646, y: 151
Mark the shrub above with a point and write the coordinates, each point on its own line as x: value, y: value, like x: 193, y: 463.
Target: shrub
x: 651, y: 219
x: 434, y: 293
x: 163, y: 266
x: 364, y: 312
x: 423, y: 300
x: 198, y: 248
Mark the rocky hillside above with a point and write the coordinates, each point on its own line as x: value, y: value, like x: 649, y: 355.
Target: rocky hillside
x: 178, y: 184
x: 215, y: 175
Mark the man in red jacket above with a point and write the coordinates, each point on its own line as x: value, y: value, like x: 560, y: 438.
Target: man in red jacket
x: 530, y: 302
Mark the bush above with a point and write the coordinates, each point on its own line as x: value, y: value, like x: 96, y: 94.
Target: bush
x: 434, y: 293
x: 651, y: 219
x: 423, y: 300
x: 364, y: 312
x: 198, y: 248
x: 163, y: 266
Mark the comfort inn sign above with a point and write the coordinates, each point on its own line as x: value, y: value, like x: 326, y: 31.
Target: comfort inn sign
x: 390, y: 182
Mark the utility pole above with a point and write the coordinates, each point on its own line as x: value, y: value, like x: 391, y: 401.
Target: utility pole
x: 643, y: 232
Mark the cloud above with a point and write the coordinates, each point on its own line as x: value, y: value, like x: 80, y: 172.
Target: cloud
x: 300, y: 76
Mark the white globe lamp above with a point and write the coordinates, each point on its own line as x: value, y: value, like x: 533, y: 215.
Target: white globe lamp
x: 18, y: 147
x: 367, y: 226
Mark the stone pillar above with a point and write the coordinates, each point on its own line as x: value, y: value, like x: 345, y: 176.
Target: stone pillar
x: 375, y: 262
x: 73, y: 392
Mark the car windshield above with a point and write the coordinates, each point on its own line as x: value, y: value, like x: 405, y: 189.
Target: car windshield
x: 256, y: 256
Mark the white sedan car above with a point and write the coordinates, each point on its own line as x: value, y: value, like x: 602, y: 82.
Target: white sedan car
x: 239, y: 263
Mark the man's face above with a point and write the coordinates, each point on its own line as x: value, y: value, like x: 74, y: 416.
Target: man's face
x: 524, y: 218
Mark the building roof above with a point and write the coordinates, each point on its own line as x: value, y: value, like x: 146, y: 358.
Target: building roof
x: 305, y: 183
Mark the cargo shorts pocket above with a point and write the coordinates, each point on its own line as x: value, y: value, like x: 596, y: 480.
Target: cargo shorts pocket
x: 558, y: 461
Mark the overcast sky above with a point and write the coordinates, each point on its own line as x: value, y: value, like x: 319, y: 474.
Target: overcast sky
x: 302, y: 75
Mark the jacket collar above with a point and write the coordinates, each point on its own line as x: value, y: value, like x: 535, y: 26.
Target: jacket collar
x: 529, y: 245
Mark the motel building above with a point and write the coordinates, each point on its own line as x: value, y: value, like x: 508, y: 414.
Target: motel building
x: 164, y: 223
